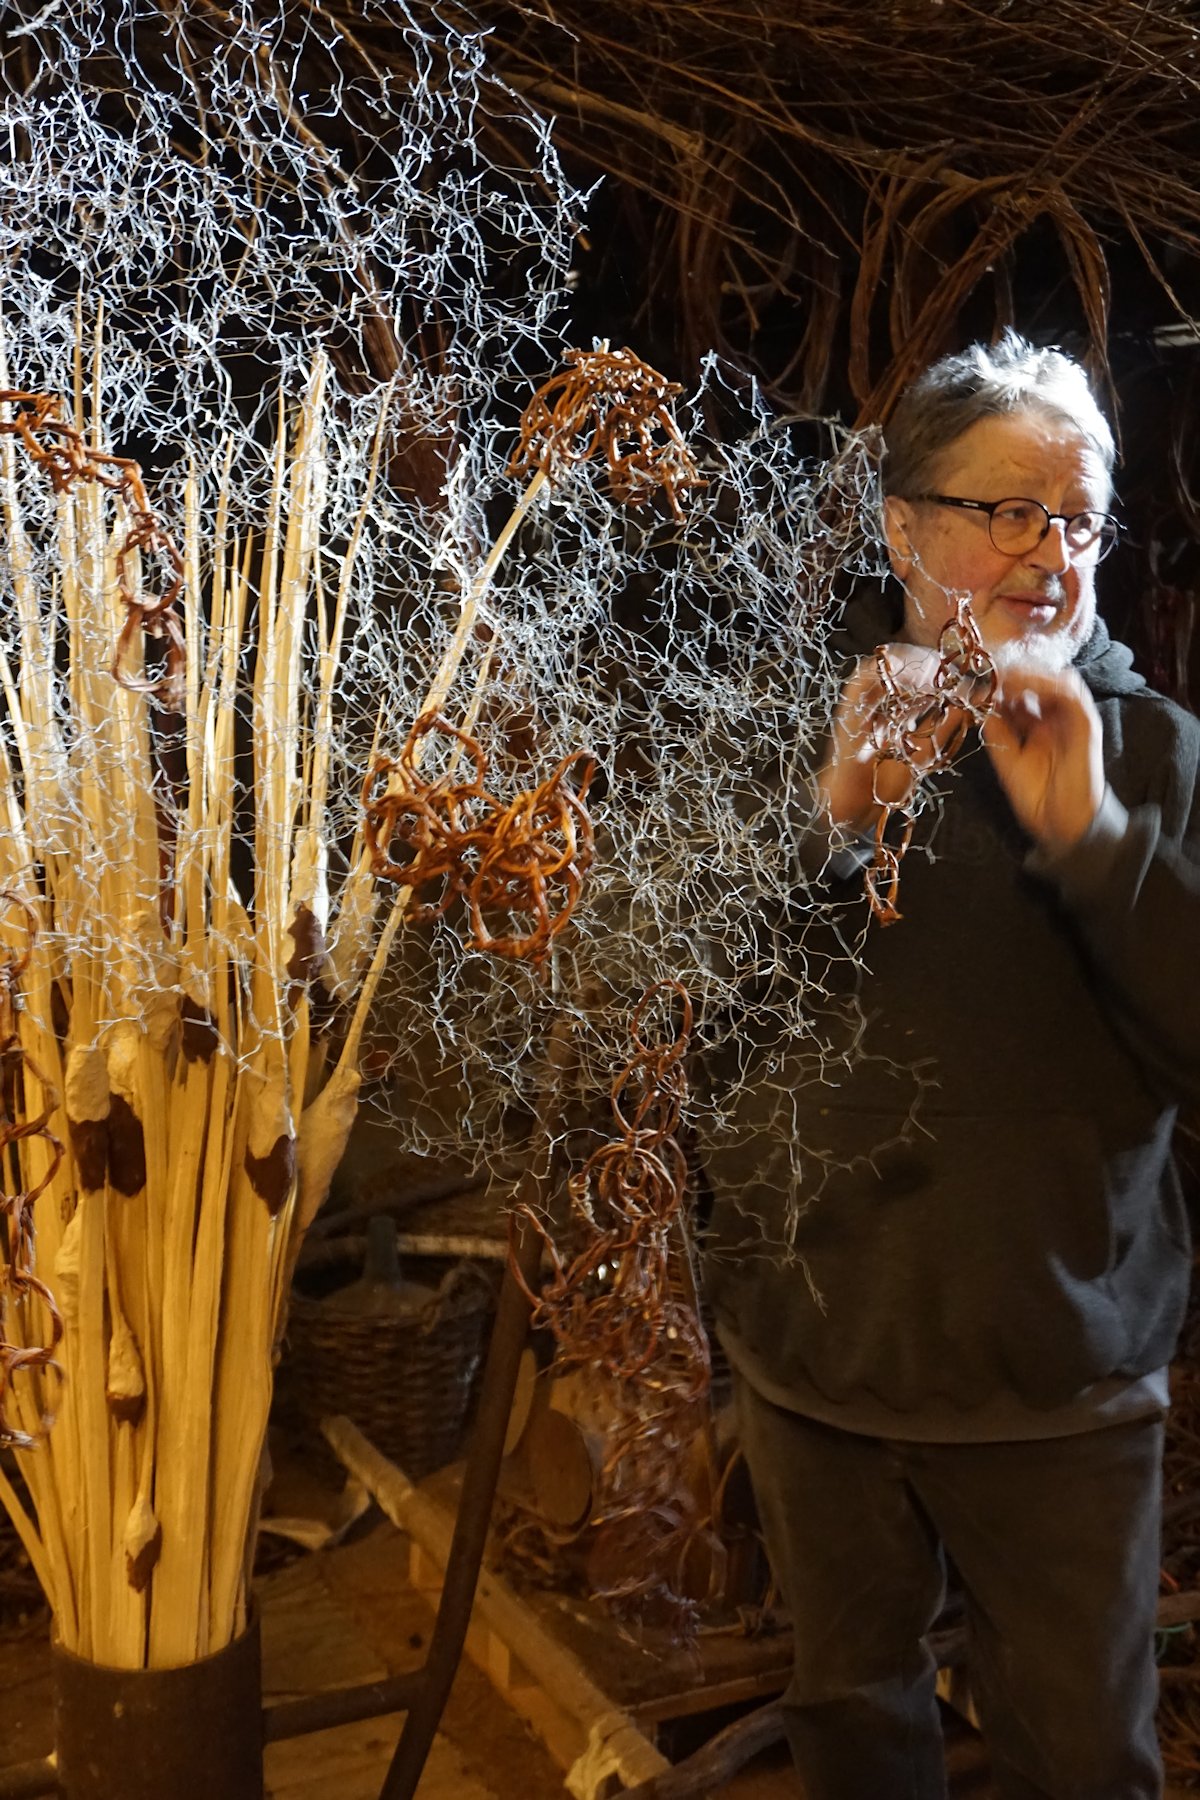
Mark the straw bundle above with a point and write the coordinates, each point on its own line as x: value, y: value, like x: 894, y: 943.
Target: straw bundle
x: 179, y: 1040
x: 170, y: 1029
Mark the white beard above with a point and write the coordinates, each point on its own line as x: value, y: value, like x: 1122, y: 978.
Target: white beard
x: 1050, y: 651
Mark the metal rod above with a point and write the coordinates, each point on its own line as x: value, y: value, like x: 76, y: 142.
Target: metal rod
x: 340, y: 1706
x: 470, y: 1526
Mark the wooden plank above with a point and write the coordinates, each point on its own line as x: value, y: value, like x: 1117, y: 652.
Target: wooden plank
x: 558, y: 1729
x: 563, y: 1733
x: 350, y: 1762
x: 312, y: 1641
x: 371, y: 1577
x: 309, y: 1642
x: 761, y: 1685
x: 638, y: 1666
x: 614, y: 1754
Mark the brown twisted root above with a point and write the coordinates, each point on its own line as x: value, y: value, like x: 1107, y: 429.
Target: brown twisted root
x: 606, y: 1304
x: 16, y: 1210
x: 609, y: 401
x: 523, y: 864
x: 904, y: 730
x: 622, y: 1307
x: 58, y: 447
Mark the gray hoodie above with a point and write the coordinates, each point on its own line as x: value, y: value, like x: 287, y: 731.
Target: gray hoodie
x: 986, y: 1212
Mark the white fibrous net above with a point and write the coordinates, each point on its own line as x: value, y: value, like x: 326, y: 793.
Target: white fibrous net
x: 163, y: 162
x: 314, y: 319
x: 692, y: 659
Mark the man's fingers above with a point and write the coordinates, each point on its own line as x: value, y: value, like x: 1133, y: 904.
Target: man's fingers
x: 1023, y: 707
x: 1039, y: 691
x: 1031, y: 696
x: 999, y: 734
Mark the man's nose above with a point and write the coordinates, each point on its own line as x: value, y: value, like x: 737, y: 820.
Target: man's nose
x: 1052, y: 553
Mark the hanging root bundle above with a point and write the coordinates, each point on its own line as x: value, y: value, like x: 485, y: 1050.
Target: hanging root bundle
x: 59, y: 448
x: 623, y: 1313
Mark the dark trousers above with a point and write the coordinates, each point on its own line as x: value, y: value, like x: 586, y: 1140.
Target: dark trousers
x: 1056, y: 1543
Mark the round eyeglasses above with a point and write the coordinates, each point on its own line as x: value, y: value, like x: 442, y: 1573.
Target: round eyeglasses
x: 1018, y: 526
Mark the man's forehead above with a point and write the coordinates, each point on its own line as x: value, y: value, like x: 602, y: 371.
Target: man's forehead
x: 1030, y: 445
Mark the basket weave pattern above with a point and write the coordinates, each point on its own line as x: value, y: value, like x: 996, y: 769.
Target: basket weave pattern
x: 407, y: 1382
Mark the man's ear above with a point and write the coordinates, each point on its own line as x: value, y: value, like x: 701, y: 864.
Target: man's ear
x: 897, y: 520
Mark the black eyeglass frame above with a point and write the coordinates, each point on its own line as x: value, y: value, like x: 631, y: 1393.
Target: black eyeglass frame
x: 1106, y: 537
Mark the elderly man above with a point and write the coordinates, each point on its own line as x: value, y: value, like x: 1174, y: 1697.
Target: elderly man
x: 1000, y: 1275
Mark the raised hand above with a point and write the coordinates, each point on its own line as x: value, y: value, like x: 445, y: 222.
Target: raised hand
x: 854, y: 783
x: 1044, y: 739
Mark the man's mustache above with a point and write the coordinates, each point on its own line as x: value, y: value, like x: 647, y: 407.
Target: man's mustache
x: 1050, y: 589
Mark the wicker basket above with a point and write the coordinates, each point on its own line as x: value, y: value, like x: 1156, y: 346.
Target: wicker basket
x: 406, y: 1378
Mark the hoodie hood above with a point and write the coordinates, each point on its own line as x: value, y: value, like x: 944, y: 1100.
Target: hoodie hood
x: 1106, y: 665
